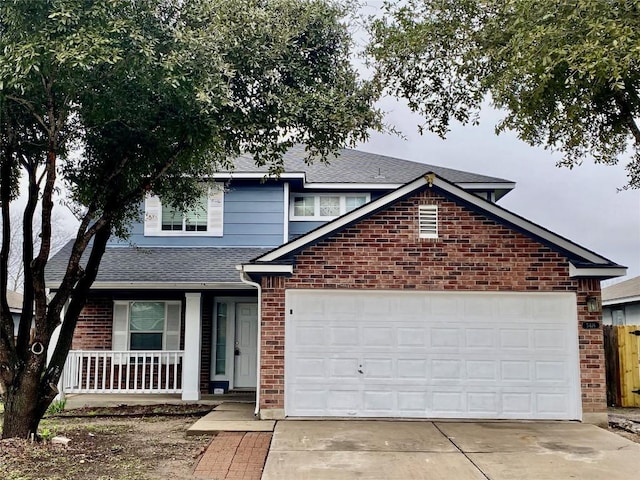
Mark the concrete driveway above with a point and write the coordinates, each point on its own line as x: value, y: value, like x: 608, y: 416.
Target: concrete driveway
x: 328, y: 449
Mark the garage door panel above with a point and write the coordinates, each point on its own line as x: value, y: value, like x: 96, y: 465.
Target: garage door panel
x: 447, y: 355
x: 440, y: 337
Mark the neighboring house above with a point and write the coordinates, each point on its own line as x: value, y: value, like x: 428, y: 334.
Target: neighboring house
x: 15, y: 306
x: 621, y: 303
x: 369, y: 287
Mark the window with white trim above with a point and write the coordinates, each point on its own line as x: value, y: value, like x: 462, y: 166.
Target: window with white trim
x: 428, y: 221
x: 146, y: 325
x: 325, y: 206
x: 205, y: 218
x: 193, y: 220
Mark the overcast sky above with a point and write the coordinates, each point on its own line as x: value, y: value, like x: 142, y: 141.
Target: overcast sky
x: 584, y: 205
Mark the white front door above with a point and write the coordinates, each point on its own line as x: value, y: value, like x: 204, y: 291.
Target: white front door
x: 431, y: 354
x: 246, y: 345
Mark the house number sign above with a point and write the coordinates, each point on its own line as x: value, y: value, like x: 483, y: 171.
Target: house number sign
x: 590, y: 325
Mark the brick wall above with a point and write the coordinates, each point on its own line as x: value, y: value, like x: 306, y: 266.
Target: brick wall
x: 472, y: 253
x: 93, y: 330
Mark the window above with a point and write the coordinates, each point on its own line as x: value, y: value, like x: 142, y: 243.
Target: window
x: 221, y: 339
x: 205, y: 218
x: 146, y: 325
x: 428, y: 221
x: 193, y: 220
x: 324, y: 206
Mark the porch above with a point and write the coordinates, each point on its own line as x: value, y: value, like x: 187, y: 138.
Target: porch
x: 100, y: 400
x: 158, y: 344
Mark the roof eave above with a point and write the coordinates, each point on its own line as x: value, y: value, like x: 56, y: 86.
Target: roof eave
x: 596, y: 271
x: 594, y: 265
x: 133, y: 285
x: 620, y: 301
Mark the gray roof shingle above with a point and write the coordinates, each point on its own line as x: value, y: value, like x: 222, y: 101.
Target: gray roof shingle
x: 627, y: 289
x: 162, y: 264
x: 355, y: 166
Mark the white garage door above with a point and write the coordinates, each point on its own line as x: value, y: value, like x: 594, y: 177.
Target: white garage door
x: 431, y: 355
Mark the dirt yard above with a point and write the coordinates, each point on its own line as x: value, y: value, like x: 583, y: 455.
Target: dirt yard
x: 139, y: 443
x: 122, y: 443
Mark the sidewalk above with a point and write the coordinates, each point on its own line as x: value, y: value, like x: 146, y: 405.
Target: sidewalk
x: 234, y: 456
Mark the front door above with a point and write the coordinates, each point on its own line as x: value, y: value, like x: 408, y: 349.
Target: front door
x: 246, y: 345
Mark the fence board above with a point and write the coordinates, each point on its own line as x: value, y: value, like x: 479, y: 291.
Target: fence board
x: 612, y: 362
x: 629, y: 355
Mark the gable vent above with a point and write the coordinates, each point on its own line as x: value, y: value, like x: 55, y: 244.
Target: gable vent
x: 428, y: 221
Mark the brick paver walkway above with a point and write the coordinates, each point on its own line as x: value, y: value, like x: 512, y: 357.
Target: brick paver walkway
x: 234, y: 456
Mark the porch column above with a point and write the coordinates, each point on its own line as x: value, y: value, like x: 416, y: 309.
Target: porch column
x: 191, y: 361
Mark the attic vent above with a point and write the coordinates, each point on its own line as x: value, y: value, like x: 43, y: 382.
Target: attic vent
x: 428, y: 221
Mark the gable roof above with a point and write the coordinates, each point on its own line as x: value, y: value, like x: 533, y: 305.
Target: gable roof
x: 355, y: 167
x: 160, y: 267
x: 583, y: 262
x: 623, y: 292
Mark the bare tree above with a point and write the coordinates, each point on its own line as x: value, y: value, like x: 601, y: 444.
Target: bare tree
x: 59, y: 236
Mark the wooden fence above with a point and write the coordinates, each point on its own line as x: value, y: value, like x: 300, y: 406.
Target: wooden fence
x: 622, y: 351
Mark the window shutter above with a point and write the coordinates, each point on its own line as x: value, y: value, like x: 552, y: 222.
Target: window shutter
x: 120, y: 332
x: 215, y: 208
x: 152, y: 216
x: 428, y: 221
x: 172, y: 331
x: 172, y: 341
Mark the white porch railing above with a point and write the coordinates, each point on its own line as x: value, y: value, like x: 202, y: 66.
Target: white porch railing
x: 104, y: 371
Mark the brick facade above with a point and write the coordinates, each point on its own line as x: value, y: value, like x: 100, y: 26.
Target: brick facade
x: 95, y: 324
x: 472, y: 253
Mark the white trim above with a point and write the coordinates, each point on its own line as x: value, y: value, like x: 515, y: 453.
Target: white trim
x: 231, y: 302
x: 428, y: 221
x: 352, y: 186
x: 285, y: 224
x: 257, y: 175
x: 485, y: 186
x: 245, y: 279
x: 213, y: 200
x: 432, y: 179
x: 129, y: 303
x: 257, y: 268
x: 191, y: 362
x: 620, y: 301
x: 162, y: 285
x: 596, y: 272
x: 316, y: 217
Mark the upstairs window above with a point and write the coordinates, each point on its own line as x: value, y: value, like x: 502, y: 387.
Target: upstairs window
x: 323, y: 207
x: 193, y: 220
x: 205, y: 218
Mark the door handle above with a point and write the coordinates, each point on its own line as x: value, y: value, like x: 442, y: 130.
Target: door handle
x: 236, y: 352
x: 360, y: 369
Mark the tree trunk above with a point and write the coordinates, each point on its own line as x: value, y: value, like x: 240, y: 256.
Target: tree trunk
x: 22, y: 410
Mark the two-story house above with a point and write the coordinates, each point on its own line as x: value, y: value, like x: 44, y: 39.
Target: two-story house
x: 369, y: 287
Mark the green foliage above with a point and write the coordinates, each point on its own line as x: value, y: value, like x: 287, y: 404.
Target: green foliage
x: 115, y: 99
x: 46, y: 434
x: 566, y: 73
x: 56, y: 407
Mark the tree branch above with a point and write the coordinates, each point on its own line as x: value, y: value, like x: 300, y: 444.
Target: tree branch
x: 626, y: 115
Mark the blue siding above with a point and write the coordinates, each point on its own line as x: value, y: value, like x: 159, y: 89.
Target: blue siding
x: 253, y: 217
x: 300, y: 228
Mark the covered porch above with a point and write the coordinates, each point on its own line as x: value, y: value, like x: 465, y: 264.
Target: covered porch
x: 216, y: 336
